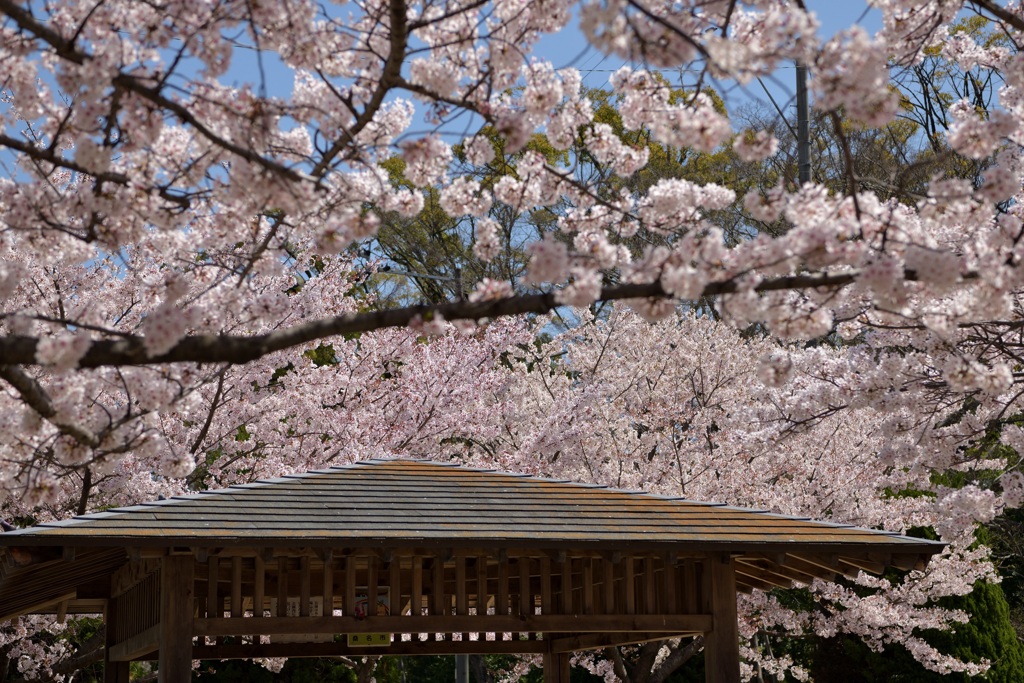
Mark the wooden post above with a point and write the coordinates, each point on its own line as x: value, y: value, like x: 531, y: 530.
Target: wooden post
x: 721, y: 645
x: 258, y: 587
x: 328, y: 584
x: 113, y: 672
x: 556, y: 667
x: 177, y: 590
x: 416, y: 597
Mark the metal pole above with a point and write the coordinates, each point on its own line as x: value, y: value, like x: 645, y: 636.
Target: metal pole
x: 803, y: 126
x: 461, y: 668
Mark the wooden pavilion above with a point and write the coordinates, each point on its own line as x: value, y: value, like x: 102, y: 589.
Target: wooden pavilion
x: 414, y: 557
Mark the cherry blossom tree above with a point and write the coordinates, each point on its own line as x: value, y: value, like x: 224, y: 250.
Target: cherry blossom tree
x: 154, y: 214
x: 180, y: 299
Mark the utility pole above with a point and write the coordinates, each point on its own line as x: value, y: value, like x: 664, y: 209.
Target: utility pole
x: 803, y: 126
x: 461, y: 668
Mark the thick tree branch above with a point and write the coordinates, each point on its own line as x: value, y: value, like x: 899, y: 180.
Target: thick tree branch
x: 618, y: 664
x: 676, y: 658
x: 235, y: 349
x: 1014, y: 20
x: 36, y: 398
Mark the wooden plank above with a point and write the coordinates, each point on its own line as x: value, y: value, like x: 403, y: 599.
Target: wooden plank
x: 438, y: 607
x: 537, y: 623
x: 416, y: 598
x: 588, y: 585
x: 501, y: 601
x: 304, y: 586
x: 214, y: 608
x: 395, y: 586
x: 258, y: 586
x: 372, y: 578
x: 177, y: 592
x: 546, y: 606
x: 566, y: 577
x: 668, y: 584
x: 236, y: 587
x: 482, y: 596
x: 398, y: 647
x: 745, y: 582
x: 282, y: 586
x: 629, y: 581
x: 689, y: 587
x: 779, y: 573
x: 349, y: 605
x: 650, y: 586
x: 609, y: 585
x: 327, y: 589
x: 721, y: 644
x: 526, y: 601
x: 862, y: 563
x: 461, y: 594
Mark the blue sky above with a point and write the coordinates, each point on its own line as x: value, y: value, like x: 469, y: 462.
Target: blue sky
x: 568, y: 48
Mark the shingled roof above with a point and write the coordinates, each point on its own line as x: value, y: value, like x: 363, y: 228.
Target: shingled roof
x: 419, y: 503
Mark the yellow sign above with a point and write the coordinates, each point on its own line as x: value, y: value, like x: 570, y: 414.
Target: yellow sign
x: 369, y: 639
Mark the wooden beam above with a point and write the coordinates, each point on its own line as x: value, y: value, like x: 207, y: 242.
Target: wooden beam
x: 802, y: 565
x: 40, y: 607
x: 863, y: 564
x: 722, y: 643
x: 399, y: 647
x: 746, y: 583
x: 177, y: 591
x: 906, y: 561
x: 764, y: 575
x: 134, y: 647
x: 447, y: 623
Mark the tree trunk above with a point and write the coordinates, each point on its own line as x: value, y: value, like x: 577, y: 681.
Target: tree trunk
x: 478, y: 670
x: 364, y: 672
x: 676, y: 658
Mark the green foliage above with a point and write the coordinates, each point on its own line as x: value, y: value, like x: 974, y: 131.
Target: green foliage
x: 988, y: 635
x: 322, y: 355
x: 294, y: 671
